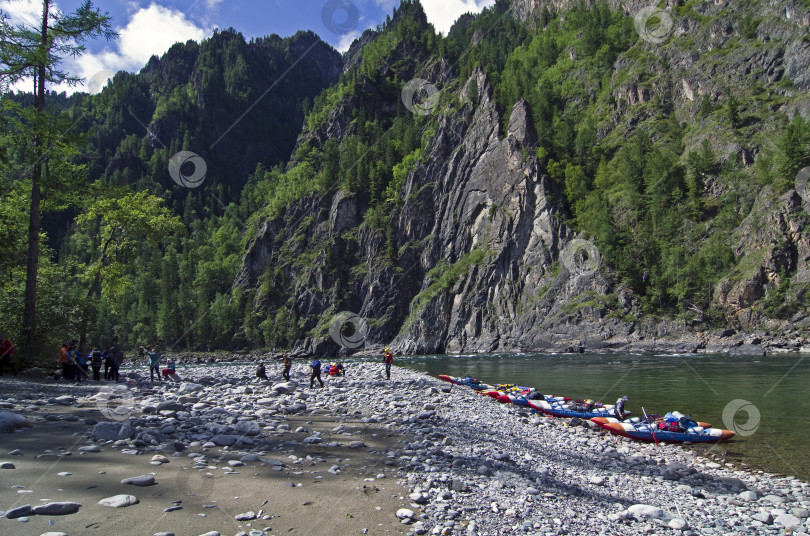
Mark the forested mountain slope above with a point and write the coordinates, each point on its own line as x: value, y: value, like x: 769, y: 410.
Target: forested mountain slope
x: 671, y: 157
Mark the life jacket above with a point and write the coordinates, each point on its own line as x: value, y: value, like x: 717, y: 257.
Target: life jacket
x: 63, y: 354
x: 95, y: 357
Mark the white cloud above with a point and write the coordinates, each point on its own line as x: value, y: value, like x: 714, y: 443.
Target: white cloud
x: 25, y: 11
x: 346, y: 41
x: 149, y: 31
x: 443, y: 13
x: 154, y: 30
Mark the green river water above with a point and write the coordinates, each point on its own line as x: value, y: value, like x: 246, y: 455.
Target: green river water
x: 765, y: 400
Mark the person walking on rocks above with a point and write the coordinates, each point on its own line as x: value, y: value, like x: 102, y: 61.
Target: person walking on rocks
x: 261, y: 372
x: 388, y: 359
x: 316, y: 373
x: 6, y: 353
x: 285, y: 372
x: 154, y: 363
x: 95, y: 362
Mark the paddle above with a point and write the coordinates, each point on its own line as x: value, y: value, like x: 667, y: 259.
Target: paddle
x: 652, y: 424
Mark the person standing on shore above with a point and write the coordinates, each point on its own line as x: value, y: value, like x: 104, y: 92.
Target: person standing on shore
x: 117, y: 356
x: 63, y: 360
x: 261, y: 372
x: 316, y: 373
x: 388, y: 359
x: 619, y: 409
x: 154, y: 363
x: 6, y: 353
x: 95, y: 362
x: 285, y: 372
x: 108, y: 361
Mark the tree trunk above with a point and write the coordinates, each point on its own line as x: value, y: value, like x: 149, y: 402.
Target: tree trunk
x: 34, y: 220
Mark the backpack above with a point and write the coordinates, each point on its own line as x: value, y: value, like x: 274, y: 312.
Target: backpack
x: 96, y: 357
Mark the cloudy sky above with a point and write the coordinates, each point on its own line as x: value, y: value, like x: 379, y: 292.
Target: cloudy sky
x: 151, y: 27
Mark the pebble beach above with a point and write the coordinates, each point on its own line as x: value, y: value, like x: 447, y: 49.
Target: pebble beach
x: 224, y: 453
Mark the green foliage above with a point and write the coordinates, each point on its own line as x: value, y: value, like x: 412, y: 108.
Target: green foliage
x: 444, y: 276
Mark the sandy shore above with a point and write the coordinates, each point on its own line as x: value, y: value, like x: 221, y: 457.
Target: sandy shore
x: 361, y: 456
x: 301, y: 498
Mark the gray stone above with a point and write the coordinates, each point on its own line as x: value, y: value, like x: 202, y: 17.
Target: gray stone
x: 20, y: 511
x: 119, y: 501
x: 250, y: 428
x: 763, y: 517
x: 405, y: 513
x: 748, y: 495
x: 678, y: 524
x: 646, y: 510
x: 11, y: 421
x: 113, y: 431
x: 141, y: 481
x: 56, y: 509
x: 788, y: 521
x: 224, y: 440
x: 188, y: 387
x: 284, y: 388
x: 170, y: 405
x: 7, y: 465
x: 247, y: 516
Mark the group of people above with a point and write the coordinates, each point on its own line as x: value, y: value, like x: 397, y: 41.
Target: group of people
x: 76, y: 366
x: 316, y: 367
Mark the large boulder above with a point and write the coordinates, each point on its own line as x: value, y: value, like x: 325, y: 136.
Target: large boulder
x: 11, y: 421
x: 284, y: 388
x: 188, y: 388
x: 113, y: 431
x: 170, y: 405
x: 250, y: 428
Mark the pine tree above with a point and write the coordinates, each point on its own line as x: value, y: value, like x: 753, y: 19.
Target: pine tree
x: 35, y: 53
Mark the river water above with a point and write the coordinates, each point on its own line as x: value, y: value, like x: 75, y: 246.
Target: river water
x: 765, y: 399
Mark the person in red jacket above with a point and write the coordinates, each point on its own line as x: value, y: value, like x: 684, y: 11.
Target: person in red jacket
x: 6, y: 353
x: 388, y: 359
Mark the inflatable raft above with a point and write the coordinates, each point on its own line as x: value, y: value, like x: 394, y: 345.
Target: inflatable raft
x: 560, y: 407
x: 665, y: 430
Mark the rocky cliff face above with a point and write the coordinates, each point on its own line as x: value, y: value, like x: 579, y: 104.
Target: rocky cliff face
x: 485, y: 261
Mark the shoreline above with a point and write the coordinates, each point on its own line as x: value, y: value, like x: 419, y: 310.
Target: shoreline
x: 446, y: 459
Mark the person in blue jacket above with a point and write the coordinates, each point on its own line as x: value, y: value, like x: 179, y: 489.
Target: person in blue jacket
x: 154, y: 363
x: 316, y: 373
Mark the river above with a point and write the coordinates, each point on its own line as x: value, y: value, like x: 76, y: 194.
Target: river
x: 765, y: 399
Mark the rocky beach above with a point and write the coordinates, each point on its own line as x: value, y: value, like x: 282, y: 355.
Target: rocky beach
x: 225, y: 453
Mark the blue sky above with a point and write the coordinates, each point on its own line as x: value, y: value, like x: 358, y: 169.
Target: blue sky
x: 152, y: 26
